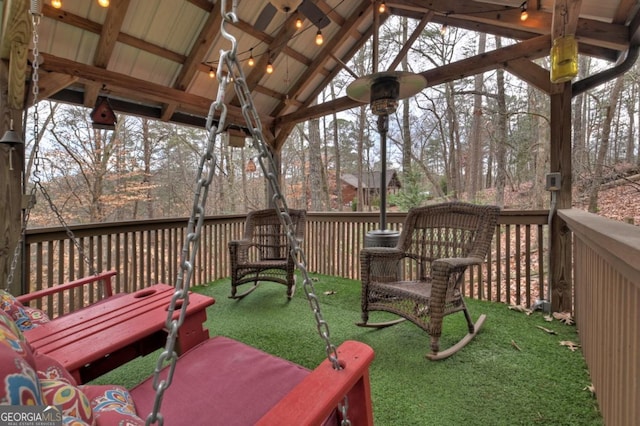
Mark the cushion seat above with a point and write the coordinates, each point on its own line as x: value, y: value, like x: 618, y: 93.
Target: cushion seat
x: 223, y: 375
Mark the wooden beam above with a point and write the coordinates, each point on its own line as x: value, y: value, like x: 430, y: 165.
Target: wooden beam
x: 91, y: 92
x: 200, y: 49
x: 168, y: 110
x: 531, y: 49
x: 96, y: 28
x: 565, y: 18
x: 274, y: 49
x: 589, y: 31
x: 348, y: 30
x: 414, y: 36
x: 110, y: 31
x: 50, y: 83
x: 624, y: 11
x: 531, y: 73
x: 144, y: 90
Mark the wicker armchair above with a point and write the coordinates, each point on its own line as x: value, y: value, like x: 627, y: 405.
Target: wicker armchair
x: 436, y: 245
x: 263, y: 254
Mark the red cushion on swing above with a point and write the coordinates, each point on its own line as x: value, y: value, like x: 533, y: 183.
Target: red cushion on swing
x: 223, y: 382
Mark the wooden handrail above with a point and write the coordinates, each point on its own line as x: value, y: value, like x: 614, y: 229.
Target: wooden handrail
x: 145, y: 252
x: 104, y: 278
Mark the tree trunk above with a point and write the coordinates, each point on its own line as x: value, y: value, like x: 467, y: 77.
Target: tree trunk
x: 362, y: 122
x: 454, y: 165
x: 336, y: 153
x: 475, y: 139
x: 604, y: 144
x: 315, y: 163
x: 501, y: 142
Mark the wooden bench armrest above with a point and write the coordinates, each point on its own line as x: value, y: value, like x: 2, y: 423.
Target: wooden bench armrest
x: 104, y: 277
x: 317, y: 396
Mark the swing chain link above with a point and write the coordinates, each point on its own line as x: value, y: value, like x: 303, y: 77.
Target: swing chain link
x: 208, y: 161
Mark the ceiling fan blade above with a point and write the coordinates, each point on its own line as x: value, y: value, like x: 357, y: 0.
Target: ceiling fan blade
x: 265, y: 17
x: 314, y: 14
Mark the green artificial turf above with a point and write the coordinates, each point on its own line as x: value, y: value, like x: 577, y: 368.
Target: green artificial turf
x: 512, y: 373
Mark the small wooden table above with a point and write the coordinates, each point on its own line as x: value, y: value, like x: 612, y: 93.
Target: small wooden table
x: 103, y: 336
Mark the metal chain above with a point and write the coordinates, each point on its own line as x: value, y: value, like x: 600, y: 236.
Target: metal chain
x: 208, y: 161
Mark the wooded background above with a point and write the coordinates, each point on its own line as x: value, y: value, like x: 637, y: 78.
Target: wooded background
x: 483, y: 139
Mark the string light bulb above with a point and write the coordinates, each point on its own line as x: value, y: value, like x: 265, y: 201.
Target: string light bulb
x: 56, y: 3
x: 212, y: 73
x: 523, y: 13
x: 269, y: 67
x: 319, y: 38
x: 103, y: 3
x: 443, y: 29
x: 298, y: 23
x: 382, y: 8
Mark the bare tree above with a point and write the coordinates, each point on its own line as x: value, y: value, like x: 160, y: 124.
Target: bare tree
x: 501, y: 146
x: 605, y: 135
x: 315, y: 163
x: 475, y: 139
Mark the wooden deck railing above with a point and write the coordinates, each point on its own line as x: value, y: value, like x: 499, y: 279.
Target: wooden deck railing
x: 148, y: 251
x: 607, y: 310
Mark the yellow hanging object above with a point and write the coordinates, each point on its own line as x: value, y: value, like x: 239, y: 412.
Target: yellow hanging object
x: 564, y: 59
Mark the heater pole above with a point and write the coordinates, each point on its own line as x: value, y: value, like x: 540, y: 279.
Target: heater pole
x: 383, y: 127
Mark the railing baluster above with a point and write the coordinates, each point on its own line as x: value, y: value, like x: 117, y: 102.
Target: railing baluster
x: 145, y: 252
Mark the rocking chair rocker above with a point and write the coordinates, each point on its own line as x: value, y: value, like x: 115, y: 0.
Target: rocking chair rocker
x: 263, y: 254
x: 436, y: 245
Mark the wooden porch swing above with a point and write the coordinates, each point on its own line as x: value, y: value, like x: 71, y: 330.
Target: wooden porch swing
x: 222, y: 381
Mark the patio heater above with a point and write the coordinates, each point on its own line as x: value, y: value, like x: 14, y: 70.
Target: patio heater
x: 382, y: 91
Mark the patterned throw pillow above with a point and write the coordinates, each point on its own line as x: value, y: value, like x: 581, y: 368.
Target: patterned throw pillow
x: 7, y: 323
x: 112, y: 405
x: 73, y: 421
x: 20, y: 382
x: 36, y: 316
x: 12, y: 337
x: 25, y: 318
x: 48, y: 368
x: 72, y: 400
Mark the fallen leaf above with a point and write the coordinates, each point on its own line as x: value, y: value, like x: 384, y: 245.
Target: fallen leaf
x: 515, y: 345
x: 571, y: 345
x: 564, y: 317
x: 548, y: 318
x: 329, y: 293
x: 591, y: 389
x: 547, y: 330
x: 521, y: 308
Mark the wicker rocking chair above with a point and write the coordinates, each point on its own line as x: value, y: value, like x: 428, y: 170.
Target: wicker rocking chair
x: 436, y: 245
x: 263, y: 254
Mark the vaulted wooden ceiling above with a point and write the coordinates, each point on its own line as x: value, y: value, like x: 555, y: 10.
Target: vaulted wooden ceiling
x: 153, y: 57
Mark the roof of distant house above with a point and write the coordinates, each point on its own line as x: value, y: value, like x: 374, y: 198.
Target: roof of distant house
x: 370, y: 180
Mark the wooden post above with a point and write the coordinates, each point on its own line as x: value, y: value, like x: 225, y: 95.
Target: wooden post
x: 560, y: 250
x: 14, y: 48
x: 11, y: 172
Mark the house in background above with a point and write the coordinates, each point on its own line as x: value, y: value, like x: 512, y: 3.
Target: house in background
x: 370, y: 187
